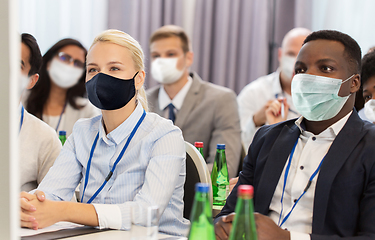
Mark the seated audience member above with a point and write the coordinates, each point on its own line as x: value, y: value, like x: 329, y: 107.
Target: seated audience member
x: 314, y: 177
x: 203, y: 111
x: 59, y: 96
x: 38, y: 143
x: 368, y: 87
x: 260, y: 102
x: 127, y: 159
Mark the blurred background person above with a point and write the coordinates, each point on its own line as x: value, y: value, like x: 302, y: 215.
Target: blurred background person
x: 271, y: 91
x: 59, y: 96
x: 368, y: 87
x: 38, y: 143
x: 203, y: 111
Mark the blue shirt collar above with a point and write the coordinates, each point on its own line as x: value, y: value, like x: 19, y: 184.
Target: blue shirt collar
x: 123, y: 131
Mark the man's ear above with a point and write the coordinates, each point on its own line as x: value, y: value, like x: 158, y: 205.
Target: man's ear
x: 33, y: 80
x: 279, y: 54
x: 139, y: 79
x: 189, y: 59
x: 356, y: 83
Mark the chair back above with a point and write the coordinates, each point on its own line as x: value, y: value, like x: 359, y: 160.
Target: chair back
x: 196, y: 171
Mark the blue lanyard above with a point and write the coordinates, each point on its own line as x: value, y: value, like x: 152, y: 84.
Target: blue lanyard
x: 22, y: 114
x: 114, y: 165
x: 304, y: 191
x: 58, y: 123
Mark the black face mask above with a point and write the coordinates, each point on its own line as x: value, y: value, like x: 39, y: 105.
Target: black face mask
x: 110, y: 93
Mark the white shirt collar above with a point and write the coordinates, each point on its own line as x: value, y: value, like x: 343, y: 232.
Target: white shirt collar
x: 335, y: 128
x: 178, y: 100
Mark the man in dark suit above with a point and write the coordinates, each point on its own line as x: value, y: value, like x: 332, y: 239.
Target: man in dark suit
x: 314, y: 177
x: 203, y: 111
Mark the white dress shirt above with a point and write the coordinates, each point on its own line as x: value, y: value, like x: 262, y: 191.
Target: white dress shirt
x: 177, y: 101
x: 253, y: 97
x: 307, y: 156
x: 71, y: 115
x: 151, y: 172
x: 39, y: 148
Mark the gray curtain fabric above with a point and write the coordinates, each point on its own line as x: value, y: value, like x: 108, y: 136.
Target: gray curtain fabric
x: 234, y: 41
x: 140, y: 18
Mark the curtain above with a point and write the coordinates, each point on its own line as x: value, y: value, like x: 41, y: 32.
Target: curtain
x: 234, y: 42
x: 49, y: 21
x: 140, y: 18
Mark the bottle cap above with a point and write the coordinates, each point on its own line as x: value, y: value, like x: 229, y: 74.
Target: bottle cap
x: 62, y: 132
x: 198, y: 144
x: 245, y: 190
x: 202, y: 187
x: 220, y: 146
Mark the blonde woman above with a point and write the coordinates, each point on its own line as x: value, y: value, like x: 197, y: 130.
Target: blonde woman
x: 126, y: 158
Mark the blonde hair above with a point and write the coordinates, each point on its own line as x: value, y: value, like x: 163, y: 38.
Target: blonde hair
x: 125, y: 40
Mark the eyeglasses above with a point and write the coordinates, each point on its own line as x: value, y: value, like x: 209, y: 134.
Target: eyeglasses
x: 68, y: 59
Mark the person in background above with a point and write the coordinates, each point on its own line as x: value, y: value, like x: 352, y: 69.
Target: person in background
x: 203, y: 111
x: 38, y: 143
x: 262, y: 101
x: 59, y: 96
x: 314, y: 177
x: 368, y: 87
x: 137, y: 160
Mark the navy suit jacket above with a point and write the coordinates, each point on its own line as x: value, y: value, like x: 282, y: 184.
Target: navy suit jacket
x: 344, y: 201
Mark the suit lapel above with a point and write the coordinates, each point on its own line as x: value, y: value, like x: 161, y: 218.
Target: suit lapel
x: 153, y: 102
x: 342, y: 146
x: 192, y: 97
x: 274, y: 166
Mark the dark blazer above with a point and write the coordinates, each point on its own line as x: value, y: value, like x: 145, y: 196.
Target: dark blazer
x: 209, y: 114
x: 344, y: 203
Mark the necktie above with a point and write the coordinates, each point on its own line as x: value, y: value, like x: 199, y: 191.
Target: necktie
x: 171, y: 114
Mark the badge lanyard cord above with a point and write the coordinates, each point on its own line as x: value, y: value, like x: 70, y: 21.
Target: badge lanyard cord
x: 114, y: 165
x: 304, y: 191
x: 62, y: 112
x: 22, y: 115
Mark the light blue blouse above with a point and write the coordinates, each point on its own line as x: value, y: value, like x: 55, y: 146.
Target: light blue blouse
x: 151, y: 172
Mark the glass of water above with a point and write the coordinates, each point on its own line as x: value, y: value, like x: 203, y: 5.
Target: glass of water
x: 149, y: 229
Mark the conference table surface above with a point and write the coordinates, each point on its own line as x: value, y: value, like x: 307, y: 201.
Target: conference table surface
x: 70, y: 231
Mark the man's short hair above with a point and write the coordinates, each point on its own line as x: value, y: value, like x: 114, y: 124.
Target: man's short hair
x: 168, y: 31
x: 352, y: 51
x: 35, y: 58
x: 368, y: 67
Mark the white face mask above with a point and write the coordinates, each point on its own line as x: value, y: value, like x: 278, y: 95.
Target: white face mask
x: 316, y: 97
x: 370, y: 110
x: 22, y: 83
x: 287, y: 66
x: 164, y: 70
x: 64, y: 75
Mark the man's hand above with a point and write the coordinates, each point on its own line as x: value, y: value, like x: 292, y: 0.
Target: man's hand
x: 223, y: 227
x: 259, y: 117
x: 268, y: 230
x: 232, y: 183
x: 274, y: 112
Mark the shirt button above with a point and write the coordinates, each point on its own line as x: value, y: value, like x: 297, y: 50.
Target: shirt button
x: 313, y: 138
x: 301, y: 167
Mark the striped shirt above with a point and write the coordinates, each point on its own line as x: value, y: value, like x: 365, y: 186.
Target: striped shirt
x: 151, y: 172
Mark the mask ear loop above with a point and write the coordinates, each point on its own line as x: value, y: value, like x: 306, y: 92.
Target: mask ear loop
x: 136, y: 90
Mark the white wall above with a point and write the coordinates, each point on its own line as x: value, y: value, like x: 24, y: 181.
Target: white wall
x: 51, y: 20
x: 9, y: 68
x: 353, y: 17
